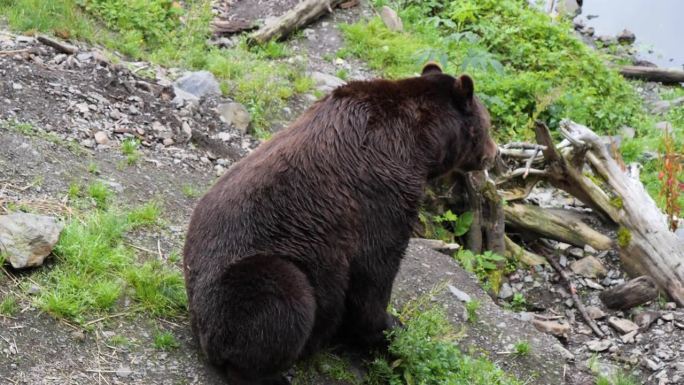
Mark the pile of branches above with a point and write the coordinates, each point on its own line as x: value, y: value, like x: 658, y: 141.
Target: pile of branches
x: 581, y: 164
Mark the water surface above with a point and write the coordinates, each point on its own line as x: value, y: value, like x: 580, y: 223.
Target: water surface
x: 657, y: 24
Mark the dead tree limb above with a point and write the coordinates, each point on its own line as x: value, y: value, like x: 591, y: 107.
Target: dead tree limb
x: 632, y: 293
x: 651, y: 74
x: 304, y: 13
x: 647, y: 247
x: 524, y: 256
x: 487, y: 230
x: 575, y: 298
x: 60, y: 46
x: 551, y: 224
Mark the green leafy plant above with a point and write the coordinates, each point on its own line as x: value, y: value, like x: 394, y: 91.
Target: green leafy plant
x: 522, y: 348
x: 471, y: 310
x: 519, y: 303
x: 129, y: 147
x: 164, y: 340
x: 9, y: 306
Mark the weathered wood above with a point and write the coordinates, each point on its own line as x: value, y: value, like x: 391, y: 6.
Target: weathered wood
x: 663, y: 75
x: 304, y: 13
x: 647, y: 246
x: 58, y: 45
x: 524, y: 256
x: 229, y: 27
x: 552, y: 224
x: 632, y: 293
x: 487, y: 230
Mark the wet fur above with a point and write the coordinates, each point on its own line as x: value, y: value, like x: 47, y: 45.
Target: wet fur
x: 300, y: 241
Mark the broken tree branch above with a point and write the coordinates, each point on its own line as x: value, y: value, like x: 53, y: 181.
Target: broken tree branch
x: 304, y: 13
x: 651, y: 74
x: 647, y: 247
x: 575, y: 298
x: 58, y: 45
x: 551, y: 224
x: 632, y: 293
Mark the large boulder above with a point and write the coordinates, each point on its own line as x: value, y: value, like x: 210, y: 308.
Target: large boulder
x: 26, y: 239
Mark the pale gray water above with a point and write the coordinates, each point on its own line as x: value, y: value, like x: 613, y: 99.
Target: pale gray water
x: 658, y: 25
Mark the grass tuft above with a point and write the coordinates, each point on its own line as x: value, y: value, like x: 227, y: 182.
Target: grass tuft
x: 164, y: 340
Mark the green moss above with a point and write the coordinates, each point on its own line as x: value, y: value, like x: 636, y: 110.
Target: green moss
x: 617, y: 202
x: 624, y: 237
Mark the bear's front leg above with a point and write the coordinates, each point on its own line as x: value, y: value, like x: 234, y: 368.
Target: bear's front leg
x: 366, y: 318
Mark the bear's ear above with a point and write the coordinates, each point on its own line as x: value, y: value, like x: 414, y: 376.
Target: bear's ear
x: 464, y: 88
x: 431, y: 68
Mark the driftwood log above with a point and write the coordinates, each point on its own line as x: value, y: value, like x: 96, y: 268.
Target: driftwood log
x: 632, y: 293
x: 550, y: 224
x: 651, y: 74
x: 60, y: 46
x: 304, y: 13
x: 647, y: 247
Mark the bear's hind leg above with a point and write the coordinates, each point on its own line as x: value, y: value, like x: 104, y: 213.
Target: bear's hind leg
x: 255, y: 318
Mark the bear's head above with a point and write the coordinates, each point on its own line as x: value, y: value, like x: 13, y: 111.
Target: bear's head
x: 460, y: 126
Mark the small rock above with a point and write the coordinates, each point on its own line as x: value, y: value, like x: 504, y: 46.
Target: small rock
x: 626, y: 37
x: 199, y: 84
x: 101, y: 138
x: 168, y: 142
x: 652, y: 365
x: 576, y: 252
x: 670, y: 306
x: 181, y: 98
x: 599, y: 345
x: 506, y: 291
x: 594, y: 285
x: 236, y: 115
x: 646, y: 318
x: 123, y: 372
x: 325, y: 82
x: 17, y: 86
x: 462, y: 296
x: 78, y: 335
x: 629, y: 337
x: 589, y: 249
x: 220, y: 170
x: 669, y: 317
x: 589, y: 267
x: 33, y: 290
x: 606, y: 39
x: 622, y: 325
x: 82, y: 108
x: 552, y: 327
x: 627, y: 132
x: 661, y: 107
x: 391, y: 19
x: 589, y: 31
x: 564, y: 352
x: 27, y: 239
x: 595, y: 312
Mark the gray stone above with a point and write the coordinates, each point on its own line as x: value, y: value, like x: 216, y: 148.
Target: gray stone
x: 629, y: 337
x: 236, y: 115
x: 462, y: 296
x: 101, y: 138
x: 325, y: 82
x: 26, y: 239
x: 124, y: 372
x: 589, y: 267
x: 664, y: 126
x: 622, y: 325
x: 200, y: 84
x: 599, y: 345
x: 646, y: 318
x: 595, y: 312
x: 626, y: 37
x: 506, y: 291
x: 391, y: 19
x: 606, y: 39
x: 627, y: 132
x: 182, y: 98
x: 552, y: 327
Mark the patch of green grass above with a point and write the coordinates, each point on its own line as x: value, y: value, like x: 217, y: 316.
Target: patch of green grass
x: 9, y: 306
x: 93, y: 169
x: 522, y: 348
x: 471, y: 310
x: 120, y: 341
x: 426, y: 353
x: 164, y: 340
x: 325, y: 364
x: 158, y: 288
x: 129, y: 147
x: 100, y: 194
x: 145, y: 215
x: 526, y: 66
x: 190, y: 191
x: 29, y: 130
x: 74, y: 191
x: 519, y: 303
x: 95, y: 269
x: 342, y: 74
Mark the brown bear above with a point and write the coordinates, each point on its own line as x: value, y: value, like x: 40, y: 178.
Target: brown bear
x: 299, y: 242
